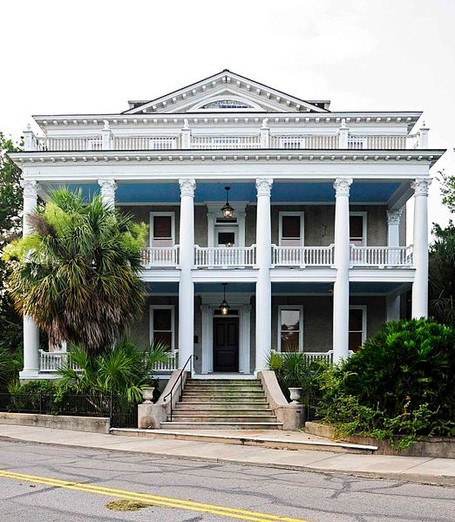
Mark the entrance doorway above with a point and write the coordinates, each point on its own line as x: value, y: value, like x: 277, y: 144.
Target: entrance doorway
x: 226, y: 344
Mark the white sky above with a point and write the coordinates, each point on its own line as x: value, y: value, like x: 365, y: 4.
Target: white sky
x: 91, y: 56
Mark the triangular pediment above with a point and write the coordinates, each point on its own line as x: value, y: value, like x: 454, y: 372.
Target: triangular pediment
x: 226, y: 92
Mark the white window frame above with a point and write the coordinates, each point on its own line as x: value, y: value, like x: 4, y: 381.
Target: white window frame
x: 163, y: 307
x: 364, y: 215
x: 162, y: 214
x: 364, y: 320
x: 290, y: 307
x: 302, y: 226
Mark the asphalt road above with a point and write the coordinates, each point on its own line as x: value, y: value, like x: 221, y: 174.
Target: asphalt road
x: 52, y: 483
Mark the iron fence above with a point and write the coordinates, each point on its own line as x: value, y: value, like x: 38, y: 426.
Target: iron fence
x: 121, y: 413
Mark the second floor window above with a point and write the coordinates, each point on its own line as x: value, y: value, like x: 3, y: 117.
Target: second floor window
x: 291, y: 229
x: 162, y: 230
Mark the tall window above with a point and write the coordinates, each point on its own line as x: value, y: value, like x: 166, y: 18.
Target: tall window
x: 291, y: 228
x: 357, y: 327
x: 162, y: 229
x: 162, y: 325
x: 290, y: 336
x: 358, y: 228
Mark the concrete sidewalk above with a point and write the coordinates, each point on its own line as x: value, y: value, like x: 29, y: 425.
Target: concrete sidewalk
x: 418, y: 469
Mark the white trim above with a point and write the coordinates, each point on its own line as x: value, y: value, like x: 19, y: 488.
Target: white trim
x: 290, y: 307
x: 364, y: 320
x: 163, y: 307
x: 364, y: 216
x: 302, y: 227
x: 162, y: 214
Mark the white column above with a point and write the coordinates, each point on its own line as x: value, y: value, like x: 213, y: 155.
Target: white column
x: 106, y: 136
x: 344, y: 135
x: 393, y: 227
x: 31, y: 331
x: 263, y: 285
x: 186, y: 288
x: 108, y: 188
x: 420, y: 285
x: 341, y: 286
x: 393, y: 307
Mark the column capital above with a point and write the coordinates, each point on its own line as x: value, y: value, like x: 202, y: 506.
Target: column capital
x: 394, y: 216
x: 187, y: 186
x: 342, y: 186
x: 29, y: 187
x: 420, y: 186
x: 264, y: 186
x: 108, y: 184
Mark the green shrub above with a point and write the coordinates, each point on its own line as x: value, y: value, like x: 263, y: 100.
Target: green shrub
x: 400, y: 383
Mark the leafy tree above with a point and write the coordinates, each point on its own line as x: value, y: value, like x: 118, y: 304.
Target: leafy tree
x: 442, y: 275
x: 10, y: 228
x: 448, y: 190
x: 76, y: 274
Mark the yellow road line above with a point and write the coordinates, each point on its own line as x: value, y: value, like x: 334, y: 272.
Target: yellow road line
x: 156, y: 500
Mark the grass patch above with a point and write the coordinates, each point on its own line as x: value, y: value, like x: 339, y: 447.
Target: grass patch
x: 126, y: 505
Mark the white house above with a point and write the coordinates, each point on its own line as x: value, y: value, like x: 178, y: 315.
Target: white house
x: 310, y: 252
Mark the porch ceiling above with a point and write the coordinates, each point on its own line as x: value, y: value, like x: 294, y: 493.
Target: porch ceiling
x: 282, y: 192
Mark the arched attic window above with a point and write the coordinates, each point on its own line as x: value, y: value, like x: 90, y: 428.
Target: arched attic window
x: 227, y: 104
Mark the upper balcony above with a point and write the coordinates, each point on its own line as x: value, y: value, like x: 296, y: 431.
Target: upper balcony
x: 282, y: 256
x: 263, y: 138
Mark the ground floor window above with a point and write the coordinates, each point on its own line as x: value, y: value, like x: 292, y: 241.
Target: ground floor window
x: 162, y: 325
x: 290, y: 328
x: 357, y: 327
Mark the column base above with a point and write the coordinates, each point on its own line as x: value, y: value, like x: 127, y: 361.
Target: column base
x: 35, y: 375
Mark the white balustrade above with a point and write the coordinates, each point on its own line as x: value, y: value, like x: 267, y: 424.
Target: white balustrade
x: 69, y: 144
x: 160, y: 256
x: 379, y: 142
x: 278, y: 141
x: 302, y: 256
x: 54, y: 361
x: 170, y: 365
x: 225, y: 257
x: 146, y: 142
x: 304, y: 141
x: 225, y: 142
x: 382, y: 257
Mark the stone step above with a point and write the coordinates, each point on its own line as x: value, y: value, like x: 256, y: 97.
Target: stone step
x: 222, y: 425
x: 196, y: 399
x: 203, y: 406
x: 223, y: 393
x: 222, y: 417
x: 235, y: 382
x: 224, y: 387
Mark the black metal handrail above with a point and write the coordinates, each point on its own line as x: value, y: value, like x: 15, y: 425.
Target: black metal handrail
x: 179, y: 380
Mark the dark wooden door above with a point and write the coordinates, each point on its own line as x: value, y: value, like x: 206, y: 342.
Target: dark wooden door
x: 226, y: 344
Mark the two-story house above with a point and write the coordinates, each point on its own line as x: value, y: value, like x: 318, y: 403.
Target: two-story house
x: 275, y: 223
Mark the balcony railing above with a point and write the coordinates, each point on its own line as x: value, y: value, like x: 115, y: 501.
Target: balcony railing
x: 381, y: 257
x: 224, y: 257
x: 302, y: 256
x: 159, y: 257
x: 282, y: 256
x: 54, y: 361
x: 97, y: 142
x: 51, y: 362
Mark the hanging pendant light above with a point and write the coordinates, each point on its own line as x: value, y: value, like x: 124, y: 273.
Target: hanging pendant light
x: 227, y: 210
x: 224, y: 307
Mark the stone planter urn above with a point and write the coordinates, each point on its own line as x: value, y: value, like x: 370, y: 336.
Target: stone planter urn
x: 147, y: 393
x: 296, y: 394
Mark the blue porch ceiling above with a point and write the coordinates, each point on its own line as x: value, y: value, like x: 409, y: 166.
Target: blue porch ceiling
x: 137, y: 193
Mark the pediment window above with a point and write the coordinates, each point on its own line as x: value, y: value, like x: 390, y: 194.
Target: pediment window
x: 227, y: 104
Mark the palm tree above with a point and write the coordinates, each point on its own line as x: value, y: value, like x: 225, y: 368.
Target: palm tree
x: 76, y: 274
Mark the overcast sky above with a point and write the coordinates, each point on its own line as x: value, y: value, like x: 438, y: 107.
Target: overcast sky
x: 91, y: 56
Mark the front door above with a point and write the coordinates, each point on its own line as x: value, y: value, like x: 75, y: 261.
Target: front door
x: 226, y: 344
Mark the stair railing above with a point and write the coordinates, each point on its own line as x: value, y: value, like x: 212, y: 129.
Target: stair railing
x: 179, y: 380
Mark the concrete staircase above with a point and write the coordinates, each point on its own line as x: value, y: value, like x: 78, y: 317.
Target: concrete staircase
x: 222, y: 404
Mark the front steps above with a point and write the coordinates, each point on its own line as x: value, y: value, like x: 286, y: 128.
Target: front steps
x: 222, y: 404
